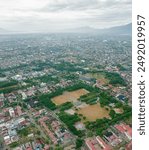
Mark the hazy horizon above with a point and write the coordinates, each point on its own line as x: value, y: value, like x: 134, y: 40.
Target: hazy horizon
x: 60, y: 15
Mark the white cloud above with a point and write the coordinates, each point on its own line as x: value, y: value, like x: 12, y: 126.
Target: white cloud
x: 39, y: 15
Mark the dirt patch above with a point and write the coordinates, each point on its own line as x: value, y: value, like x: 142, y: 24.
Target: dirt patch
x: 93, y: 112
x: 69, y: 96
x: 118, y: 110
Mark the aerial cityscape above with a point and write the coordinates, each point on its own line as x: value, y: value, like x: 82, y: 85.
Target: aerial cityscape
x: 65, y: 90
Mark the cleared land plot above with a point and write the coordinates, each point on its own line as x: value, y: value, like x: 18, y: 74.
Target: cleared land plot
x: 69, y: 96
x: 93, y: 112
x: 98, y: 76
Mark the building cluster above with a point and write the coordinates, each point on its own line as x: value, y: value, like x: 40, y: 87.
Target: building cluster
x: 96, y: 50
x: 32, y: 66
x: 43, y: 89
x: 8, y: 130
x: 112, y: 138
x: 55, y: 130
x: 34, y: 145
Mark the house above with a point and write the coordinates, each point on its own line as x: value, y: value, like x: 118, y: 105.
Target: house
x: 47, y: 147
x: 24, y: 96
x: 103, y: 144
x: 96, y: 144
x: 11, y: 112
x: 19, y: 110
x: 112, y: 138
x: 129, y: 146
x: 48, y: 131
x: 92, y: 144
x: 11, y: 97
x: 79, y: 126
x: 7, y: 140
x: 121, y: 98
x: 125, y: 130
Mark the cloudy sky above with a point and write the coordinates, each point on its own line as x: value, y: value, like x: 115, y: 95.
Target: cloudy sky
x: 57, y: 15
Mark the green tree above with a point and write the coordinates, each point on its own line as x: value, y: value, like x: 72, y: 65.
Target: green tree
x: 79, y: 143
x: 112, y: 113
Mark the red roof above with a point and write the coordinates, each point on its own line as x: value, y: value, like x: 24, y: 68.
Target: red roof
x: 90, y: 145
x: 29, y: 148
x: 129, y: 146
x: 124, y: 128
x: 102, y: 143
x: 120, y: 128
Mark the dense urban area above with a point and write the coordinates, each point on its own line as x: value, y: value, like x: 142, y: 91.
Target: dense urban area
x: 65, y: 92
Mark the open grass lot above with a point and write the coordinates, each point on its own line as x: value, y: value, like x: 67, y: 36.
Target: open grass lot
x: 98, y: 76
x: 93, y: 112
x: 69, y: 96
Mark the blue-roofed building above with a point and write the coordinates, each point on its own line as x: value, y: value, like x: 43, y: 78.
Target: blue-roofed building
x: 38, y: 147
x: 121, y: 98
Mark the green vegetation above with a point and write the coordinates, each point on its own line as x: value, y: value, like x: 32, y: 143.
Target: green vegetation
x: 2, y: 75
x: 101, y: 125
x: 65, y: 106
x: 112, y: 113
x: 10, y: 86
x: 13, y: 68
x: 31, y: 82
x: 70, y: 120
x: 90, y: 98
x: 66, y: 66
x: 24, y: 132
x: 40, y: 65
x: 106, y: 99
x: 58, y: 148
x: 13, y: 104
x: 5, y: 84
x: 62, y: 66
x: 81, y: 85
x: 121, y: 68
x: 115, y: 79
x: 14, y: 144
x: 45, y: 79
x: 46, y: 101
x: 70, y: 76
x: 118, y: 104
x: 9, y: 90
x: 112, y: 77
x: 79, y: 143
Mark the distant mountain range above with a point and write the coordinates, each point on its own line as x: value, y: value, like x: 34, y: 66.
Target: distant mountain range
x: 118, y: 30
x: 125, y: 30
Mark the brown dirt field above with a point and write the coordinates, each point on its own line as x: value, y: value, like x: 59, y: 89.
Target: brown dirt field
x: 93, y: 112
x: 69, y: 96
